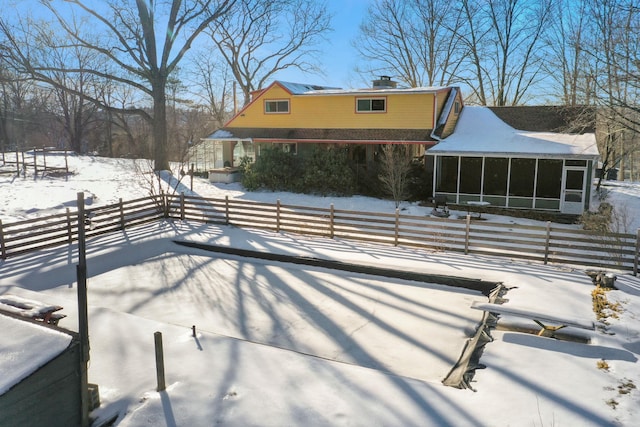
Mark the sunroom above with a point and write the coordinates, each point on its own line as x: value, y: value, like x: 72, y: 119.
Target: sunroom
x: 486, y: 161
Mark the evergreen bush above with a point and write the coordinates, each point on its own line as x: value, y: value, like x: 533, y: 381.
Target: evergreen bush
x: 327, y: 172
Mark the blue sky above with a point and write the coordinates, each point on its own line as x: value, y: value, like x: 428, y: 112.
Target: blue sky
x: 339, y: 57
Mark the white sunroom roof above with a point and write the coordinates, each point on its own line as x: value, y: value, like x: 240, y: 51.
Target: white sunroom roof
x: 480, y: 131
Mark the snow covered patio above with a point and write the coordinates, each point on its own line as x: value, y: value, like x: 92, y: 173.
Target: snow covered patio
x: 380, y: 346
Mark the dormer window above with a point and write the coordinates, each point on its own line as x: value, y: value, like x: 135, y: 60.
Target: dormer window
x: 371, y: 105
x: 277, y: 106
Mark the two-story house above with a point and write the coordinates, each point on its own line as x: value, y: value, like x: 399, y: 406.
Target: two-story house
x: 296, y: 117
x: 472, y: 155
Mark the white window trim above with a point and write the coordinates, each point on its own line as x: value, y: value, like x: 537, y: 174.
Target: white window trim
x: 276, y: 101
x: 371, y: 98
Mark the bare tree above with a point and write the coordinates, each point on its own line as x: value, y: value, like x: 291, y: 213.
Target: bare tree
x: 413, y: 40
x: 22, y: 110
x: 70, y: 104
x: 395, y: 167
x: 211, y: 84
x: 615, y: 48
x: 259, y: 38
x: 6, y: 107
x: 568, y: 64
x: 517, y: 27
x: 472, y: 36
x: 142, y: 43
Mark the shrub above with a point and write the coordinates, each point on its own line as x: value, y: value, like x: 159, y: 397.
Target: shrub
x: 419, y: 185
x: 598, y: 221
x: 249, y: 176
x: 327, y: 172
x: 274, y: 170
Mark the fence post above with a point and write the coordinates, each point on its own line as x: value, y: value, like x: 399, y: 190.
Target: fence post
x: 331, y: 221
x: 635, y: 257
x: 191, y: 176
x: 157, y: 338
x: 182, y: 206
x: 3, y: 249
x: 397, y: 228
x: 278, y: 216
x: 546, y: 243
x: 226, y: 210
x: 69, y: 225
x: 17, y: 162
x: 66, y: 162
x: 467, y: 234
x: 121, y: 206
x: 164, y: 200
x: 35, y: 161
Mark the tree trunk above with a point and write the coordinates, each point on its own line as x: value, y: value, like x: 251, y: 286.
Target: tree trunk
x: 159, y: 131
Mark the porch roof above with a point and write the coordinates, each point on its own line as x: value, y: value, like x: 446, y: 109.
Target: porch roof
x: 357, y: 136
x: 480, y: 132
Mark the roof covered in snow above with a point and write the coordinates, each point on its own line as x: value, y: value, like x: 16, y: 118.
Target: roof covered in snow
x: 303, y: 88
x: 308, y: 89
x: 25, y: 347
x: 480, y: 131
x: 221, y: 134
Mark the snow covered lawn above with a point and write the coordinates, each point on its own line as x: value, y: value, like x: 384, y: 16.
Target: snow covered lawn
x: 282, y: 344
x: 392, y: 334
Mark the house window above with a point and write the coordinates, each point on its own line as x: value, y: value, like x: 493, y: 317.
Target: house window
x: 456, y: 107
x: 290, y: 148
x: 371, y: 105
x: 276, y: 106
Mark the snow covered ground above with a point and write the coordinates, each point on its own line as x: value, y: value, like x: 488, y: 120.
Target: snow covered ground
x: 282, y: 344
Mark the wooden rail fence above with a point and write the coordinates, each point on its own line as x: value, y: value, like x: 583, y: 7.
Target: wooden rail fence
x: 44, y: 232
x: 550, y: 244
x: 19, y: 161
